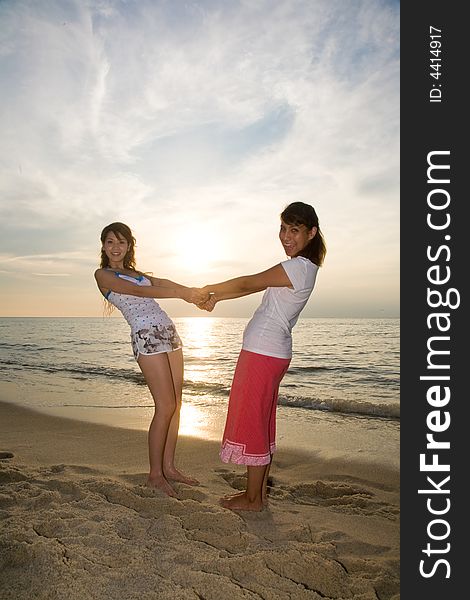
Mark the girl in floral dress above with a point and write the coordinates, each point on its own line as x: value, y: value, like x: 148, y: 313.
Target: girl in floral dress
x: 156, y: 344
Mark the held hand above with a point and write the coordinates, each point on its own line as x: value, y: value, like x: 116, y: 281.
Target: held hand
x: 209, y: 304
x: 197, y: 296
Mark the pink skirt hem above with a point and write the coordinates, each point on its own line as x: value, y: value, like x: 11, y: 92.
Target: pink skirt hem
x: 236, y: 453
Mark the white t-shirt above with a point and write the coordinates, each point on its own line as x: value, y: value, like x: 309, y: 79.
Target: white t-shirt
x: 269, y: 330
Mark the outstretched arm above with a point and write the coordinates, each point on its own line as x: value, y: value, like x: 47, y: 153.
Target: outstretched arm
x: 245, y: 285
x: 157, y: 282
x: 250, y: 284
x: 231, y: 295
x: 107, y: 281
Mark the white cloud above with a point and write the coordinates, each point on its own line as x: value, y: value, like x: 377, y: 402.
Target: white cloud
x: 52, y: 274
x: 206, y: 118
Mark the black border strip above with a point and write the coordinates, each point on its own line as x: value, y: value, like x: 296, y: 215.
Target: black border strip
x: 436, y: 538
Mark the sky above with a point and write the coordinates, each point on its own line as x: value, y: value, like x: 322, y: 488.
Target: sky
x: 196, y: 123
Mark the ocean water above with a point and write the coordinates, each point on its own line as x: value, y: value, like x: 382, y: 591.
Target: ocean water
x: 345, y: 366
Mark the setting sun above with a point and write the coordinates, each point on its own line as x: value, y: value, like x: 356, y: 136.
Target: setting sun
x: 200, y: 249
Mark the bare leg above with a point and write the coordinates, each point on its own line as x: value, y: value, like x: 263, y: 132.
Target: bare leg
x: 169, y: 469
x: 264, y: 492
x: 265, y: 483
x: 157, y: 373
x: 252, y: 497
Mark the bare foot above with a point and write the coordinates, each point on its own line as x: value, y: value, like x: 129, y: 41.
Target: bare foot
x: 160, y: 483
x: 241, y: 502
x: 176, y: 475
x: 264, y: 499
x: 234, y: 495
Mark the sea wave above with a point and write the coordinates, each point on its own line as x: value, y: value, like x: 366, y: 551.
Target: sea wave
x: 345, y: 406
x: 220, y: 389
x: 72, y: 370
x: 131, y: 375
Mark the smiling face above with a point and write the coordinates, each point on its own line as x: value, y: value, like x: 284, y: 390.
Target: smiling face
x: 294, y: 238
x: 115, y: 247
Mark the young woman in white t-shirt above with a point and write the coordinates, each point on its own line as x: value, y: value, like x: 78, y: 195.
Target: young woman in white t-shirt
x: 249, y: 435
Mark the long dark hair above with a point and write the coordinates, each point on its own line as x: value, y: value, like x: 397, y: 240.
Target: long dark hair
x: 120, y: 230
x: 299, y: 213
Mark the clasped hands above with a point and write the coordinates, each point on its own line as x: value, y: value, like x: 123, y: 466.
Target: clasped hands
x: 202, y: 298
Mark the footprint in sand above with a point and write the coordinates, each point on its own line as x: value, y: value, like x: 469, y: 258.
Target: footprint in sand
x: 341, y: 497
x: 236, y: 481
x: 189, y: 493
x: 56, y: 469
x: 329, y: 494
x: 223, y: 530
x: 10, y: 474
x: 5, y: 455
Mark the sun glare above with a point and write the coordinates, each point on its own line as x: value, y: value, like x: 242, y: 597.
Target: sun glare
x: 195, y: 259
x: 200, y: 249
x: 192, y: 420
x: 199, y: 341
x: 198, y: 335
x: 202, y: 422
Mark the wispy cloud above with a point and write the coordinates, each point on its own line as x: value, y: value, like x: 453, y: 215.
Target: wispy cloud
x: 196, y: 123
x: 52, y: 274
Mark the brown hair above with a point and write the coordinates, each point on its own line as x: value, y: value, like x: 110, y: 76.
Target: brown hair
x: 120, y: 230
x: 299, y: 213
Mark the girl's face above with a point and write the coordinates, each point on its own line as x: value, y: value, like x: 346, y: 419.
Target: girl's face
x: 294, y: 238
x: 115, y: 248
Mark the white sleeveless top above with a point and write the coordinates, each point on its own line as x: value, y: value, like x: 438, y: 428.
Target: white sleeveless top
x: 140, y: 313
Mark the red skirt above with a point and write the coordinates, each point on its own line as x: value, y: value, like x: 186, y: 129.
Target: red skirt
x: 250, y: 429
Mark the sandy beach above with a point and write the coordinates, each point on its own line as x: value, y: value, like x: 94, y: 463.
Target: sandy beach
x: 76, y: 521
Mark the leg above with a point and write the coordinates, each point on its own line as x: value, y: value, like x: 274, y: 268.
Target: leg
x: 264, y: 486
x: 264, y: 494
x: 157, y: 372
x: 177, y: 371
x: 252, y: 497
x: 272, y: 431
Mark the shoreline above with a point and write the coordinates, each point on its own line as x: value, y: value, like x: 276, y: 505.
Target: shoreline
x: 348, y: 438
x: 77, y: 521
x: 45, y: 421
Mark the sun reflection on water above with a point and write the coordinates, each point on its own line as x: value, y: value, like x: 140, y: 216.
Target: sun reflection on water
x: 192, y: 420
x: 198, y: 334
x: 198, y: 338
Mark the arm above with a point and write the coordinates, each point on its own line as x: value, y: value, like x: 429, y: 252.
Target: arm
x: 162, y: 282
x: 230, y: 296
x: 107, y: 280
x: 250, y: 284
x: 245, y: 285
x: 167, y: 283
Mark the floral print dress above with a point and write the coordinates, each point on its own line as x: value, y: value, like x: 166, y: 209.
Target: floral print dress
x: 152, y: 330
